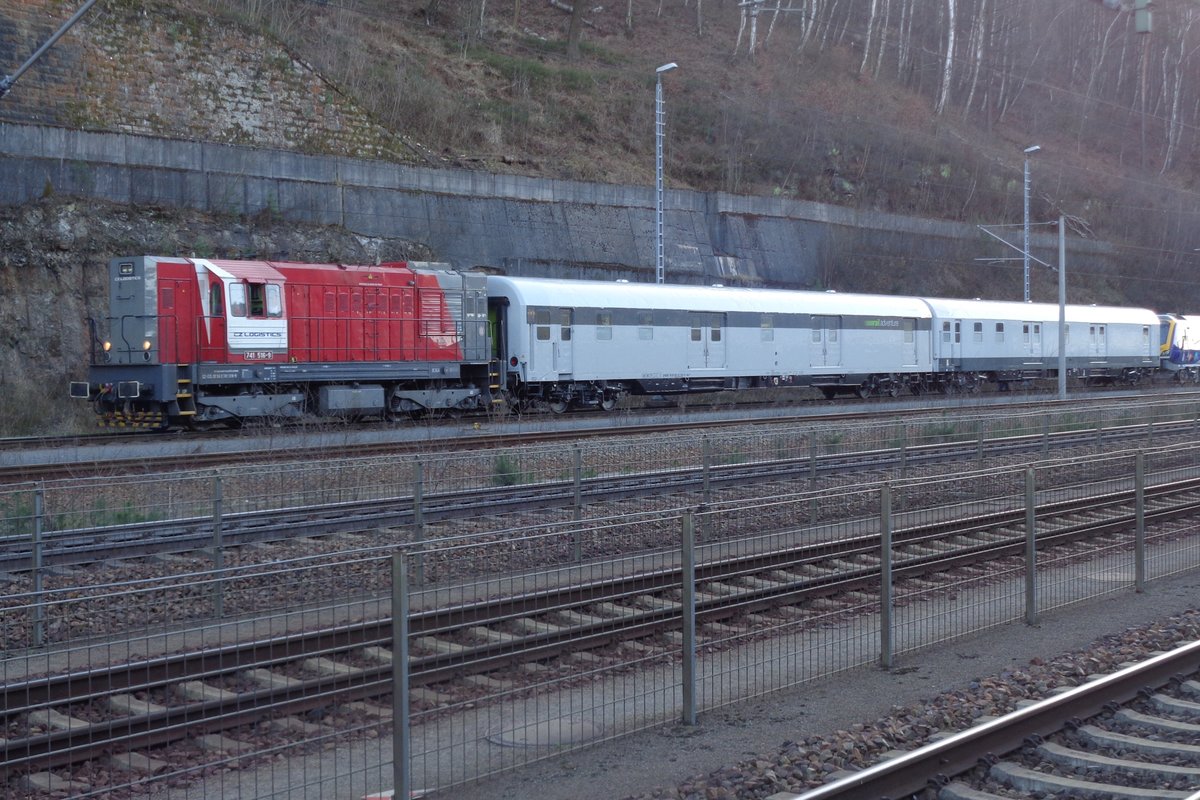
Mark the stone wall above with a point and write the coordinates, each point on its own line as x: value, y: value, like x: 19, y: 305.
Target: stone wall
x: 137, y: 66
x: 522, y: 225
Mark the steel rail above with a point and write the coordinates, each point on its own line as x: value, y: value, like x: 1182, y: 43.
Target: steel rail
x: 75, y: 547
x: 931, y: 766
x: 59, y: 748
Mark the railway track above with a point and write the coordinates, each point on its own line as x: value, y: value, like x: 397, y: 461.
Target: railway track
x: 29, y: 459
x: 54, y: 721
x: 78, y: 547
x: 1123, y: 736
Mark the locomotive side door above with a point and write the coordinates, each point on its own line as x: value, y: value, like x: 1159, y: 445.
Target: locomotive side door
x: 176, y: 340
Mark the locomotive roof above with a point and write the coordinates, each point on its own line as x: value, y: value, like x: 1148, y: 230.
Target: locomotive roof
x: 602, y: 294
x: 257, y: 270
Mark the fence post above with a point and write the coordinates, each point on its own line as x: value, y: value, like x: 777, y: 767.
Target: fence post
x: 218, y: 551
x: 812, y: 476
x: 1139, y: 541
x: 979, y: 442
x: 418, y: 564
x: 39, y: 602
x: 1045, y: 436
x: 1031, y: 613
x: 401, y: 730
x: 688, y: 563
x: 886, y: 648
x: 577, y: 479
x: 706, y: 470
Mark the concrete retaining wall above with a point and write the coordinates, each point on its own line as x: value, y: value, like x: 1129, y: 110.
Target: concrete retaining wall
x: 515, y: 224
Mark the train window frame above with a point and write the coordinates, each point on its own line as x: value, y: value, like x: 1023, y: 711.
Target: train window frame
x: 604, y: 329
x: 237, y: 299
x: 274, y: 301
x: 646, y: 326
x: 977, y: 332
x: 999, y: 332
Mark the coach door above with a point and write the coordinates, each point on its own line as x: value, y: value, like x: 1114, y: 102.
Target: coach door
x: 826, y: 348
x: 551, y: 346
x: 1031, y: 333
x: 706, y: 341
x: 1099, y: 341
x: 564, y: 351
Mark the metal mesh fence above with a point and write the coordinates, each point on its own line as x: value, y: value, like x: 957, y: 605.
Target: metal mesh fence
x: 284, y: 649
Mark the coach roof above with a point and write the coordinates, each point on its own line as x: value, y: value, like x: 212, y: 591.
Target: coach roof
x: 548, y: 292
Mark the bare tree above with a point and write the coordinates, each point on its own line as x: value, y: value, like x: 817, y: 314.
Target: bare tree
x: 948, y: 64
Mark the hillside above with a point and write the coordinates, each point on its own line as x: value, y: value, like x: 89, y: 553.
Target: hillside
x: 853, y: 103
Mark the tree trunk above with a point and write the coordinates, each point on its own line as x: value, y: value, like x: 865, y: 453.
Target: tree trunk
x: 948, y: 64
x: 575, y: 30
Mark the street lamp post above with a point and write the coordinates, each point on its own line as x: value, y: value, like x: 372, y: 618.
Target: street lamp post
x: 1028, y: 152
x: 659, y: 266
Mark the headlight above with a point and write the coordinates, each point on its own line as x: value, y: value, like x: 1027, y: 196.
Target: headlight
x: 107, y: 346
x: 146, y: 345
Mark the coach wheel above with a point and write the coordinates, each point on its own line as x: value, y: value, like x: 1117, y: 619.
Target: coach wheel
x: 893, y: 389
x: 608, y: 403
x: 863, y: 391
x: 558, y: 406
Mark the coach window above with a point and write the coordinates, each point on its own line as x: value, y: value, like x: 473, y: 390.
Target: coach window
x: 645, y: 325
x: 767, y: 326
x: 999, y: 331
x: 714, y: 335
x: 216, y: 300
x: 946, y: 332
x: 977, y: 332
x: 604, y: 326
x: 1025, y: 333
x: 910, y: 326
x: 237, y: 299
x: 541, y: 318
x: 564, y: 322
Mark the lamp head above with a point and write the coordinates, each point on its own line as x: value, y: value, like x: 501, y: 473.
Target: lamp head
x: 1033, y: 148
x: 667, y: 68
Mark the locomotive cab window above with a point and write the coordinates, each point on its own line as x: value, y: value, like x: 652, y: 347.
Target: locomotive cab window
x: 237, y: 299
x: 265, y: 300
x: 216, y: 300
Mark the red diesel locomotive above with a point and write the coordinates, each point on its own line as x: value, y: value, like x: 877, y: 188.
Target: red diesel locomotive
x: 199, y: 341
